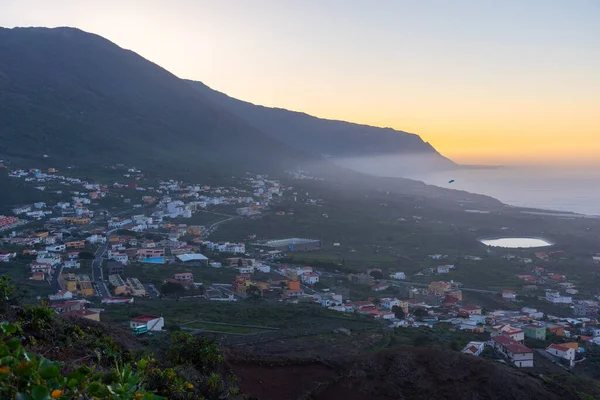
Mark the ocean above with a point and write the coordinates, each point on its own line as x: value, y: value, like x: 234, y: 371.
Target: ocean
x: 551, y: 189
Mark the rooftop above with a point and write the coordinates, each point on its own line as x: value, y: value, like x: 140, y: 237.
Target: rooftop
x: 144, y: 319
x: 512, y: 345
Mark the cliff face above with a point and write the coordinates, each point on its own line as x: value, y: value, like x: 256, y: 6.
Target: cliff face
x: 81, y: 99
x: 338, y: 139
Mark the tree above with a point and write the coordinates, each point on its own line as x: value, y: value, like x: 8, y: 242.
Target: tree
x: 172, y: 288
x: 86, y: 255
x: 377, y: 301
x: 240, y: 262
x: 420, y: 312
x: 253, y: 292
x: 376, y: 274
x: 398, y: 312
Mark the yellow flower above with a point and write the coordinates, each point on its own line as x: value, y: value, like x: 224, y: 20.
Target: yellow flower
x: 139, y: 395
x: 4, y: 370
x: 56, y: 393
x: 190, y: 386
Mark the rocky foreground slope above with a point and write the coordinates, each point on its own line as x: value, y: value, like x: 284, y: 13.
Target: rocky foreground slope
x: 412, y: 373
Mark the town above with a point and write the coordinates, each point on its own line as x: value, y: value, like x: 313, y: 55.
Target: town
x: 88, y: 258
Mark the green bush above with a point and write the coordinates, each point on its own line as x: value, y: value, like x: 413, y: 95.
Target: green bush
x: 29, y: 376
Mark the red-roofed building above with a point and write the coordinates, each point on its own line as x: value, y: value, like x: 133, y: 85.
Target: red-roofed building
x: 517, y: 353
x: 310, y: 278
x: 359, y: 305
x: 382, y: 314
x: 470, y: 309
x: 450, y: 301
x: 509, y: 294
x: 474, y: 348
x: 184, y: 276
x: 152, y: 322
x: 509, y: 331
x: 558, y: 350
x: 38, y: 276
x: 378, y: 287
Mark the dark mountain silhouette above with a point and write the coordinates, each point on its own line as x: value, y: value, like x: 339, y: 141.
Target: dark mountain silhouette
x: 80, y: 98
x: 327, y: 137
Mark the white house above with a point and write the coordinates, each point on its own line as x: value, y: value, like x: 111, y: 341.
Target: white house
x: 561, y: 351
x: 444, y: 269
x: 310, y: 278
x: 5, y: 257
x: 518, y: 354
x: 152, y: 322
x: 56, y: 248
x: 474, y: 348
x: 515, y: 334
x: 61, y: 295
x: 249, y: 269
x: 389, y: 302
x: 263, y: 268
x: 398, y: 275
x: 120, y: 257
x: 72, y: 264
x: 48, y: 259
x: 555, y: 297
x: 119, y: 224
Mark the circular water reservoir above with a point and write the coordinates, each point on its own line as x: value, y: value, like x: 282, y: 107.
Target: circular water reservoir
x: 516, y: 242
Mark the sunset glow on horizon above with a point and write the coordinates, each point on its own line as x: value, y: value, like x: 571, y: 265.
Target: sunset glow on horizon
x: 484, y: 82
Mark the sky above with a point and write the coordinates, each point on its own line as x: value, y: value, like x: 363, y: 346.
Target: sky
x: 484, y: 81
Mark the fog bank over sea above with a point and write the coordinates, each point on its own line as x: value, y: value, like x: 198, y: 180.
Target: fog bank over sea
x: 575, y: 189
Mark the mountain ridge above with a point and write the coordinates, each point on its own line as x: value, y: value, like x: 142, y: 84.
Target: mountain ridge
x: 79, y: 97
x: 331, y: 137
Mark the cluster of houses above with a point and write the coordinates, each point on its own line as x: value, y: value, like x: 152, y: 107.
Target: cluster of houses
x: 51, y: 253
x: 8, y: 222
x: 287, y: 287
x: 510, y: 330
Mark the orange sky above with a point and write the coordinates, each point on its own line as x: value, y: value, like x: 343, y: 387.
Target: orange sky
x: 484, y: 82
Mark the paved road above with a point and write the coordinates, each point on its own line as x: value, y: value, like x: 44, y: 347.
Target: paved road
x: 212, y: 228
x: 97, y: 274
x: 396, y: 283
x: 101, y: 289
x: 225, y: 288
x: 55, y: 281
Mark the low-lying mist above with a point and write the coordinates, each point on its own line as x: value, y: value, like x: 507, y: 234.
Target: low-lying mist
x: 397, y: 165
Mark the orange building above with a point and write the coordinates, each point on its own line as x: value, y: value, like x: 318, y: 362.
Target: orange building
x: 80, y: 244
x: 439, y: 287
x: 556, y: 330
x: 294, y: 285
x: 263, y: 285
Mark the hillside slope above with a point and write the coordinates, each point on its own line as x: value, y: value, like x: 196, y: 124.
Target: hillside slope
x: 80, y: 98
x: 411, y: 373
x: 322, y: 136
